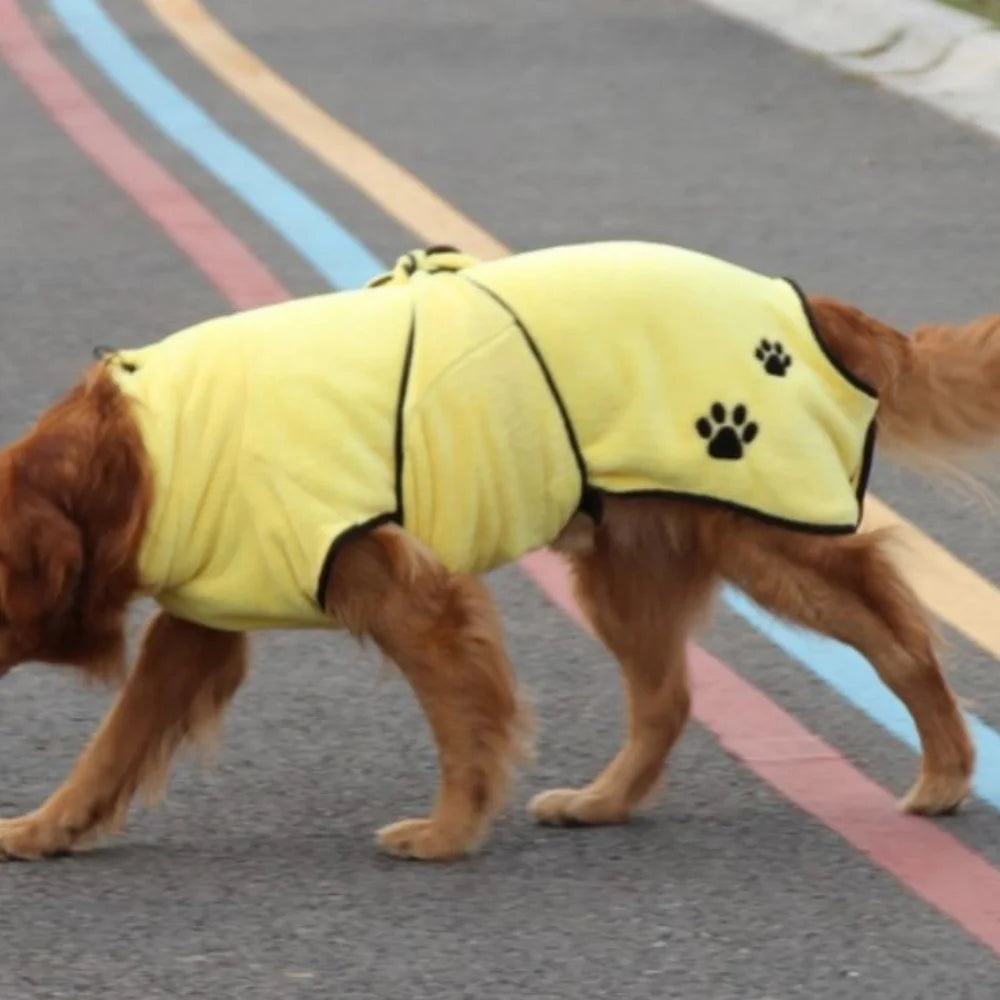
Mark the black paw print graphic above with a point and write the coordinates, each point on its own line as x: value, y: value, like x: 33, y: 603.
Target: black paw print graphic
x: 773, y: 357
x: 727, y: 436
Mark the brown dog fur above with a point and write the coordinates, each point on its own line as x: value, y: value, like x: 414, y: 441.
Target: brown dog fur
x: 76, y: 491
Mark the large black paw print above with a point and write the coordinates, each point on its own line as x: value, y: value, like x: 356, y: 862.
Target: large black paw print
x: 773, y: 357
x: 727, y: 436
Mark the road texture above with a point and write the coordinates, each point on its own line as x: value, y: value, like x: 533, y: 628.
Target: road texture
x: 546, y: 121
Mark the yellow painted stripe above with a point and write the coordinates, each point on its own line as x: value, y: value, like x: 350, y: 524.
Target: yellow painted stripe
x: 954, y: 591
x: 394, y: 189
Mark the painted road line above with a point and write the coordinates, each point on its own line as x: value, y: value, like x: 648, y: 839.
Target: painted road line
x: 852, y: 677
x: 327, y: 246
x: 384, y: 182
x: 931, y: 863
x: 953, y: 591
x: 226, y: 262
x: 813, y: 775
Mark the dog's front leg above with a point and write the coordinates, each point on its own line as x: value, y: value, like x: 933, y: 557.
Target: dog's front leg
x: 185, y: 676
x: 442, y: 631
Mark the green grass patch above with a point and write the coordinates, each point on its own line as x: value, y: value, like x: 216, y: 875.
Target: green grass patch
x: 984, y: 8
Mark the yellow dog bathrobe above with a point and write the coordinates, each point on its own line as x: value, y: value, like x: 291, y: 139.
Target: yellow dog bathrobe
x: 480, y: 405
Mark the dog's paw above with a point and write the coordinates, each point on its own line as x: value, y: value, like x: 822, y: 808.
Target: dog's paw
x: 29, y: 838
x: 576, y: 807
x: 936, y: 795
x: 424, y: 840
x: 727, y: 434
x: 773, y: 357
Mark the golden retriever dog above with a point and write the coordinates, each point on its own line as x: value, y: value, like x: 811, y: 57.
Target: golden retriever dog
x: 76, y: 496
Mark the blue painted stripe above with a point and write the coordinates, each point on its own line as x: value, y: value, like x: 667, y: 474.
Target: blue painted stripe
x: 852, y: 676
x: 344, y: 262
x: 319, y: 238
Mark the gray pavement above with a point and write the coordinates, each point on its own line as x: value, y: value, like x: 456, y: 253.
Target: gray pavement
x: 547, y: 121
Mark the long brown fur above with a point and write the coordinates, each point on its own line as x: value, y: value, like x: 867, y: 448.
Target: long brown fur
x: 444, y: 634
x: 939, y: 388
x: 74, y: 498
x: 75, y: 495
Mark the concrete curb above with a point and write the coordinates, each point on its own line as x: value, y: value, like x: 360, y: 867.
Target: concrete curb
x: 939, y: 55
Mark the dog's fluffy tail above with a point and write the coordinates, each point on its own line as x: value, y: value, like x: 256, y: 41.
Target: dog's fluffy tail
x: 939, y: 388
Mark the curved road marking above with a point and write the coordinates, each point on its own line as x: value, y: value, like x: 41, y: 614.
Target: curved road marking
x: 388, y: 185
x: 225, y: 261
x: 850, y: 674
x: 954, y: 591
x: 931, y: 863
x: 814, y: 776
x: 328, y: 247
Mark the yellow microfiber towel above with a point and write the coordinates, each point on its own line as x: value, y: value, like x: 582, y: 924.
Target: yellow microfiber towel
x: 480, y: 405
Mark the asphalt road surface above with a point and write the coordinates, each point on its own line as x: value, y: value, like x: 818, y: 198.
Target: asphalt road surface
x: 545, y: 121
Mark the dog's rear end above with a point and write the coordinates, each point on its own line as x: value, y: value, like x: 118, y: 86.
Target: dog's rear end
x: 646, y: 573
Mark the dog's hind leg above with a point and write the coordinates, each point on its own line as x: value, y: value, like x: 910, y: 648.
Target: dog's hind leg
x: 644, y: 587
x: 443, y: 632
x: 182, y: 682
x: 846, y: 587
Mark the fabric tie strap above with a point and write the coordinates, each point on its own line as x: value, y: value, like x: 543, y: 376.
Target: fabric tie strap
x: 430, y: 261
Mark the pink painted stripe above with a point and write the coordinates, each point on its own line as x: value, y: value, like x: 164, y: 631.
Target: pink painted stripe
x: 931, y: 863
x: 219, y: 254
x: 803, y: 768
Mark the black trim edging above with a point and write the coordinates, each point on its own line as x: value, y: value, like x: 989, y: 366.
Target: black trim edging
x: 581, y: 465
x: 395, y: 516
x: 404, y: 382
x: 348, y: 535
x: 709, y: 501
x: 830, y: 356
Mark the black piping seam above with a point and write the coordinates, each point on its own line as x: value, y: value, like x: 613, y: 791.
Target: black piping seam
x: 736, y: 508
x: 396, y: 516
x: 404, y: 382
x: 868, y: 453
x: 866, y: 462
x: 348, y: 535
x: 835, y: 361
x: 440, y: 268
x: 549, y: 381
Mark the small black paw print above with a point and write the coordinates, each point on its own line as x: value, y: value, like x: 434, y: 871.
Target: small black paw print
x: 726, y: 436
x: 773, y: 357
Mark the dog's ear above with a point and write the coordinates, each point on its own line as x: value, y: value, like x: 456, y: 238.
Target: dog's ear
x: 41, y: 562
